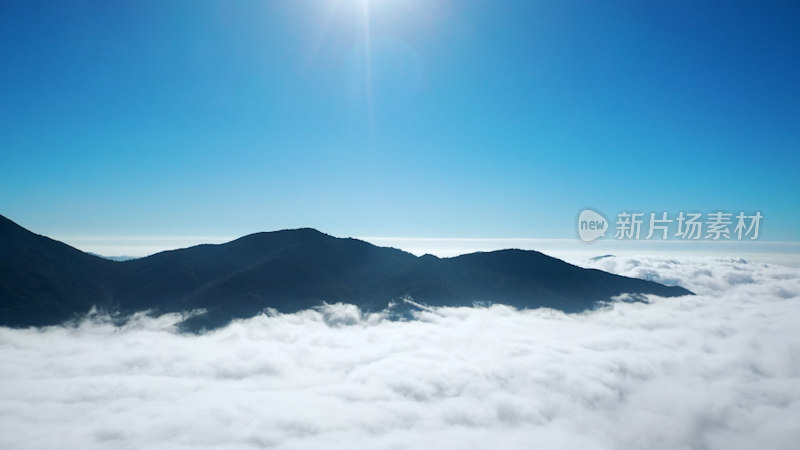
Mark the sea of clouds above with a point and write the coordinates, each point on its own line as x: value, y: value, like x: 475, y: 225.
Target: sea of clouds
x: 719, y: 370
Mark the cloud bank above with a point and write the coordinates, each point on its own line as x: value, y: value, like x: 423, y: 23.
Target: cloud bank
x: 719, y: 370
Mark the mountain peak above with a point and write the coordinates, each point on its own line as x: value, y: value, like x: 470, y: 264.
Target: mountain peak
x: 43, y: 281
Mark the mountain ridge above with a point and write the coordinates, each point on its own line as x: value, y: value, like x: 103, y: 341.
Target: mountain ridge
x: 44, y: 281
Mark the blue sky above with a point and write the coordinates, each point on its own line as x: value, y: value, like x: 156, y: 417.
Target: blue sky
x: 394, y: 117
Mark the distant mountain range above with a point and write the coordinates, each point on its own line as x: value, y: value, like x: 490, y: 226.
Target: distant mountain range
x: 45, y: 282
x: 114, y: 258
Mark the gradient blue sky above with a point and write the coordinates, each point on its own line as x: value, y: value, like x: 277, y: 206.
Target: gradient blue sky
x: 417, y: 118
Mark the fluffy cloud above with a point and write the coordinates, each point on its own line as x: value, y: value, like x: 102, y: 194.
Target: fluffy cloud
x: 714, y: 371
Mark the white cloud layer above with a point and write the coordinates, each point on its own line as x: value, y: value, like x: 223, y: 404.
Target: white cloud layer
x: 715, y: 371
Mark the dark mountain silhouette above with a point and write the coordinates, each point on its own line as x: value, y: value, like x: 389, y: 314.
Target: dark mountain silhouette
x: 43, y: 281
